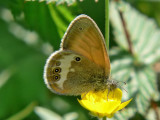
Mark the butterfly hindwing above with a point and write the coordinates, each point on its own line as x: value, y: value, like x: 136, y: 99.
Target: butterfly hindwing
x: 70, y: 73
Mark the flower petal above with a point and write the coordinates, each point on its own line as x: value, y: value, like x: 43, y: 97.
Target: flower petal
x: 115, y: 95
x: 124, y: 104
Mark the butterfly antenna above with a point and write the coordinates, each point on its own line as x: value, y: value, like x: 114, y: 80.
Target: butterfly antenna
x: 123, y: 87
x: 108, y: 94
x: 120, y: 85
x: 124, y: 83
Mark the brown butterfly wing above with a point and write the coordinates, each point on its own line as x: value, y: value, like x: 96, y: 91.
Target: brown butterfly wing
x: 65, y: 75
x: 84, y: 37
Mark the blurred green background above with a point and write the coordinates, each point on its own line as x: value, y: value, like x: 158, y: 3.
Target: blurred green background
x: 31, y: 30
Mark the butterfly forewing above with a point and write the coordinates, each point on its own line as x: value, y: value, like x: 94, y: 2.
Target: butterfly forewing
x: 84, y: 37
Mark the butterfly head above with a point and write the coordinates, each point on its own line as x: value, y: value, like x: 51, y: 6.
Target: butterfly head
x: 112, y: 84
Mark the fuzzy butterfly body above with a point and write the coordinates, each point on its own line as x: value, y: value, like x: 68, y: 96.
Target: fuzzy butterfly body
x: 82, y: 64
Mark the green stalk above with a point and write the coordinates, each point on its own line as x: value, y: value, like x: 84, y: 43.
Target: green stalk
x: 23, y: 113
x: 107, y: 23
x: 104, y: 118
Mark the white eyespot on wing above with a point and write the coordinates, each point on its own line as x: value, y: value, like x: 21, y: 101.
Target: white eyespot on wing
x: 72, y: 70
x: 65, y: 68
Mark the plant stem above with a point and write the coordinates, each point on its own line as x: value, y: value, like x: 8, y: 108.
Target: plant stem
x: 23, y: 113
x: 155, y: 108
x: 106, y: 30
x: 104, y: 118
x: 126, y: 32
x: 107, y: 23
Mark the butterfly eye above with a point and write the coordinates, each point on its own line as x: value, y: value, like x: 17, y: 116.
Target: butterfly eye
x: 78, y: 59
x: 56, y: 77
x: 57, y: 70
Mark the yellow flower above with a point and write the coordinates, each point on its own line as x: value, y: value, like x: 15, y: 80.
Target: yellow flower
x: 103, y: 104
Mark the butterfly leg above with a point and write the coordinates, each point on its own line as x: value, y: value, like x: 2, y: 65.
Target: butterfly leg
x: 108, y: 94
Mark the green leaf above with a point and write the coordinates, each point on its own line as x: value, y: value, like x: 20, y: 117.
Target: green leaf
x: 69, y: 2
x: 21, y: 70
x: 38, y: 18
x: 135, y: 69
x: 152, y: 113
x: 125, y: 114
x: 56, y: 13
x: 46, y: 114
x: 49, y: 20
x: 143, y: 31
x: 58, y: 2
x: 25, y: 112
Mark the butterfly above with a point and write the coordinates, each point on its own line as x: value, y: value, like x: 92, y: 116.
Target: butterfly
x: 82, y: 64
